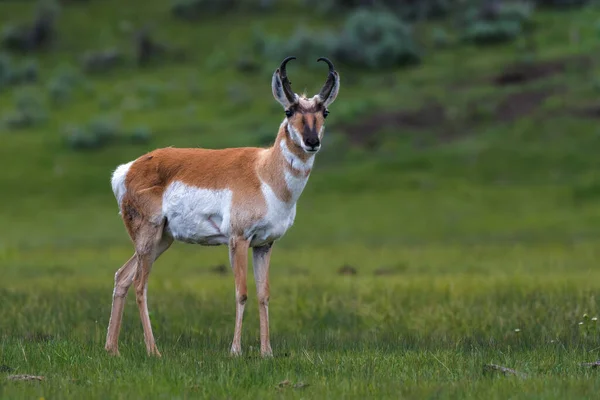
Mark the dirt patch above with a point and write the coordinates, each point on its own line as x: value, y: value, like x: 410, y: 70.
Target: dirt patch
x: 437, y: 123
x: 6, y: 368
x: 502, y: 370
x: 38, y: 337
x: 347, y: 270
x: 520, y: 104
x: 288, y: 384
x: 522, y: 73
x: 25, y: 378
x: 365, y: 132
x: 592, y: 111
x: 220, y: 269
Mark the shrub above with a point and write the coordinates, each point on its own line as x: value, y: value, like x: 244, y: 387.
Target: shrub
x: 102, y: 132
x: 62, y: 84
x: 140, y: 135
x: 440, y: 38
x: 29, y: 71
x: 80, y: 139
x: 104, y: 129
x: 406, y: 9
x: 562, y: 3
x: 12, y: 75
x: 58, y: 92
x: 498, y: 25
x: 371, y: 39
x: 483, y: 33
x: 102, y: 60
x: 425, y: 9
x: 29, y: 111
x: 194, y: 9
x: 5, y: 70
x: 376, y: 39
x: 36, y: 35
x: 304, y: 44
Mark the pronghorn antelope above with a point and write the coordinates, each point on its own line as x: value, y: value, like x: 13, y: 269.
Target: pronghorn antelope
x: 240, y: 197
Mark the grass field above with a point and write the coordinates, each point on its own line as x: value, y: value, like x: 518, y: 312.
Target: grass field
x: 475, y: 240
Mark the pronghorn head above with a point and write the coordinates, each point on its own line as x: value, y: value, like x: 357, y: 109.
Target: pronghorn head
x: 305, y: 117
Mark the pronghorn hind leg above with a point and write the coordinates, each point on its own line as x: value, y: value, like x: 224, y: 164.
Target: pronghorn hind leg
x: 123, y: 280
x: 147, y: 237
x: 238, y: 255
x: 150, y: 244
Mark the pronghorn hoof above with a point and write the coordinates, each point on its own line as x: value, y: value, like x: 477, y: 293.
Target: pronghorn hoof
x: 112, y: 352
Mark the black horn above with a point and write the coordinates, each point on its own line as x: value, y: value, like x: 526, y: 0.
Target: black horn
x: 287, y: 88
x: 330, y: 82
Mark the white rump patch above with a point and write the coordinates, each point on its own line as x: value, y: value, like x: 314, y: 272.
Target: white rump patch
x: 197, y: 215
x: 118, y: 181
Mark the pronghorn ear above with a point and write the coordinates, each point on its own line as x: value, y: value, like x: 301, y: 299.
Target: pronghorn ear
x: 278, y: 91
x: 334, y: 91
x: 330, y: 89
x: 281, y: 85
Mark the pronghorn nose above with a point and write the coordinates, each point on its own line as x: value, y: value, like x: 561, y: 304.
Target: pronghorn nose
x: 312, y: 142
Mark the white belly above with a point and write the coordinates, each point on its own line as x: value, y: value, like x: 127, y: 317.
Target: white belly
x: 203, y: 216
x: 195, y: 215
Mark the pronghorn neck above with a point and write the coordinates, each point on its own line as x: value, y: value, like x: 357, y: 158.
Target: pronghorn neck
x: 297, y: 160
x: 286, y: 167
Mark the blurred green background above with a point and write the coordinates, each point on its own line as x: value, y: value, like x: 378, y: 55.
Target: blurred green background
x: 456, y: 197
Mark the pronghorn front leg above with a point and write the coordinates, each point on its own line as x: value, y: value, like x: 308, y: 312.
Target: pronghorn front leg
x: 261, y: 258
x: 238, y: 256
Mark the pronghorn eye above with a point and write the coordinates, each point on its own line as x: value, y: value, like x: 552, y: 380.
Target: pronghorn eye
x: 325, y: 113
x: 289, y: 113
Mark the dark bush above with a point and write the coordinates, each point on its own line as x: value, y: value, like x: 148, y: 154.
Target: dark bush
x: 562, y: 3
x: 405, y: 9
x: 496, y: 23
x: 140, y: 135
x: 368, y: 39
x: 101, y: 61
x: 58, y: 92
x: 5, y: 70
x: 12, y: 75
x: 148, y: 49
x: 441, y: 39
x: 62, y: 84
x: 103, y: 132
x: 29, y: 111
x: 29, y: 72
x: 305, y: 44
x: 36, y: 35
x: 77, y: 138
x: 375, y: 39
x: 194, y: 9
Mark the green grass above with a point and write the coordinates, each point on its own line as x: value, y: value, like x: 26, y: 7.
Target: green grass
x: 478, y: 249
x: 426, y: 329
